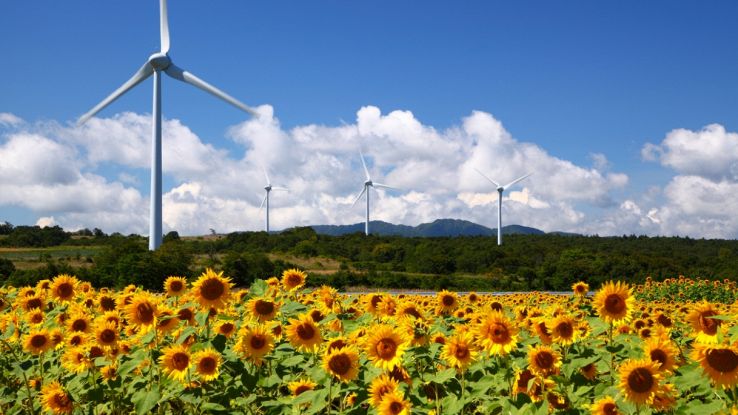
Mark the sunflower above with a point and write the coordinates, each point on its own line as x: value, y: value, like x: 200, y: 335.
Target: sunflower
x: 37, y: 341
x: 212, y: 290
x: 393, y: 404
x: 336, y: 343
x: 187, y: 315
x: 79, y: 321
x: 63, y: 288
x: 176, y: 361
x: 542, y: 330
x: 639, y: 380
x: 226, y: 328
x: 496, y: 334
x: 293, y: 279
x: 563, y: 330
x: 385, y: 346
x: 380, y: 386
x: 254, y: 343
x: 522, y: 381
x: 409, y: 309
x: 262, y: 308
x: 605, y: 406
x: 342, y: 363
x: 109, y: 372
x: 207, y: 363
x: 35, y: 317
x: 167, y: 319
x: 589, y: 371
x: 720, y: 363
x: 105, y: 302
x: 704, y: 326
x: 57, y: 338
x: 106, y: 334
x: 447, y: 302
x: 77, y: 339
x: 299, y: 386
x: 665, y: 398
x: 142, y: 310
x: 459, y: 350
x: 660, y: 349
x: 543, y: 360
x: 580, y: 288
x: 175, y: 286
x: 614, y: 302
x: 303, y: 333
x: 55, y: 399
x: 75, y: 360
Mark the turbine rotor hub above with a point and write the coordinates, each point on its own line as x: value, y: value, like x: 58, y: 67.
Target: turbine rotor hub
x: 268, y: 188
x: 368, y: 183
x: 160, y: 61
x: 500, y: 189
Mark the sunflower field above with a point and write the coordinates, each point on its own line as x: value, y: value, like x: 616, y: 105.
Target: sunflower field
x: 276, y: 348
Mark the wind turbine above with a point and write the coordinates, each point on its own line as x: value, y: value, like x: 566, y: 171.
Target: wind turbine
x: 367, y: 184
x: 268, y: 189
x: 157, y: 63
x: 501, y: 189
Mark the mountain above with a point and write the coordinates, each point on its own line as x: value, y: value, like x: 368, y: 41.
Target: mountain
x: 437, y: 228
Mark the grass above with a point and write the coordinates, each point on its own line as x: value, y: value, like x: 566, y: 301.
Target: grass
x: 32, y: 258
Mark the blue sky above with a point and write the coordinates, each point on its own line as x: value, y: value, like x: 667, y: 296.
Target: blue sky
x: 573, y: 78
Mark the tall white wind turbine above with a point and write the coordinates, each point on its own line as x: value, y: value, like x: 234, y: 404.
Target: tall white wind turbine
x: 501, y: 189
x: 157, y: 63
x: 367, y: 184
x: 268, y: 188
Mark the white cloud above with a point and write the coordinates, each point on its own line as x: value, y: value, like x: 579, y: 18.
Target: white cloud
x: 8, y: 119
x: 319, y: 164
x: 45, y: 221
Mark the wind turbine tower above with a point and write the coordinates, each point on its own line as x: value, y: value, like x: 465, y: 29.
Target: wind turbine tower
x: 501, y: 189
x: 156, y: 64
x: 268, y: 188
x: 367, y: 184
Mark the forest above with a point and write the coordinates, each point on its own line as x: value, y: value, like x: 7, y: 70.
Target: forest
x: 357, y: 262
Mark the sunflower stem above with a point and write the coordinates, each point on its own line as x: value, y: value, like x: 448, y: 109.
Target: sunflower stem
x: 25, y: 378
x: 330, y: 399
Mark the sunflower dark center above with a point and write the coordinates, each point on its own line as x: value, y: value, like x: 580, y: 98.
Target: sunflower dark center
x: 340, y: 364
x: 145, y: 312
x: 707, y: 324
x: 658, y: 355
x: 499, y: 333
x: 722, y: 360
x: 614, y: 304
x: 302, y: 388
x: 185, y: 314
x: 107, y: 303
x: 396, y: 407
x: 386, y: 348
x: 207, y: 365
x: 640, y: 380
x: 496, y: 306
x: 176, y: 286
x: 336, y: 344
x: 62, y: 401
x: 448, y: 300
x: 664, y: 320
x: 264, y: 308
x: 34, y: 303
x: 212, y: 289
x: 96, y: 352
x: 305, y: 331
x: 610, y: 409
x: 180, y: 361
x: 462, y: 352
x: 317, y: 315
x: 524, y: 378
x: 65, y: 290
x: 565, y: 329
x: 544, y: 360
x: 258, y: 341
x: 226, y: 328
x: 38, y: 340
x: 107, y: 336
x: 79, y: 325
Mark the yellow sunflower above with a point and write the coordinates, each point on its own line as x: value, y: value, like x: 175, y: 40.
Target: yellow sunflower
x: 109, y: 372
x: 704, y: 326
x: 660, y: 349
x: 293, y: 279
x: 212, y: 290
x: 37, y: 341
x: 142, y: 310
x: 75, y: 360
x: 542, y: 330
x: 28, y: 303
x: 35, y: 317
x: 166, y: 320
x: 303, y: 333
x: 175, y: 286
x: 380, y: 386
x: 543, y: 360
x: 176, y: 361
x: 299, y: 386
x: 459, y: 350
x: 614, y: 302
x: 207, y: 363
x: 605, y: 406
x: 262, y: 309
x: 105, y: 302
x: 720, y: 363
x: 55, y: 399
x: 580, y: 288
x: 254, y: 343
x: 447, y: 302
x: 393, y: 404
x: 342, y: 363
x: 564, y: 330
x: 496, y: 334
x: 639, y: 380
x: 63, y: 288
x: 226, y: 328
x: 385, y: 346
x: 79, y: 321
x: 106, y: 334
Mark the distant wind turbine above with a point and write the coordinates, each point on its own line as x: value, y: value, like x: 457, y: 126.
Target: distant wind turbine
x: 157, y: 63
x: 367, y: 184
x: 501, y: 189
x: 268, y: 189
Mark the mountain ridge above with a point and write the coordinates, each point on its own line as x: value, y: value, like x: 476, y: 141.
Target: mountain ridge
x: 437, y: 228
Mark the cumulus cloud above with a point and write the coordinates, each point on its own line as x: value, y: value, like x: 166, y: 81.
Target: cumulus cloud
x: 9, y: 120
x: 213, y: 188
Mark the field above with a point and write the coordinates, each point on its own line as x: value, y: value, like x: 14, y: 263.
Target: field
x: 277, y: 348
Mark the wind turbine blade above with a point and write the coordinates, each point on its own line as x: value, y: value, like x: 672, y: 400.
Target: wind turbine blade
x: 262, y: 202
x: 485, y: 176
x: 516, y: 180
x: 144, y: 72
x: 178, y: 73
x: 164, y: 26
x: 266, y: 175
x: 359, y: 196
x: 375, y: 184
x: 284, y: 189
x: 363, y: 163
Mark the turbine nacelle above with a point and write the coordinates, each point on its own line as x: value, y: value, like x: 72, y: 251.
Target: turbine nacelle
x: 268, y: 188
x: 368, y: 183
x: 160, y: 61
